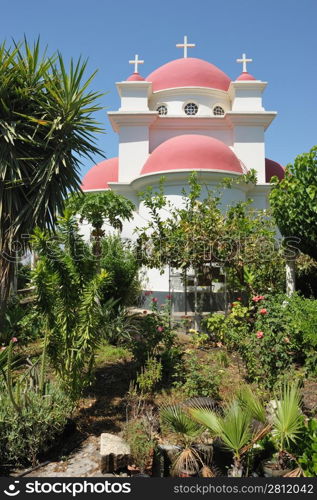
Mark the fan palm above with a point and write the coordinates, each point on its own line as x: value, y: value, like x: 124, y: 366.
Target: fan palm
x: 186, y: 431
x: 288, y: 418
x: 234, y: 428
x: 46, y: 126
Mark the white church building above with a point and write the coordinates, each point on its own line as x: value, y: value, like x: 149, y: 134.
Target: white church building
x: 185, y: 116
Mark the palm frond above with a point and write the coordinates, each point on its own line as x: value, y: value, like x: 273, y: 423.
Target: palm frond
x: 288, y: 418
x: 251, y: 402
x: 178, y: 422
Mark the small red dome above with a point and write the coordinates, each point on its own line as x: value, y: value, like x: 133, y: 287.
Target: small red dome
x: 102, y: 173
x: 135, y: 77
x: 192, y: 152
x: 188, y: 72
x: 273, y: 168
x: 245, y: 76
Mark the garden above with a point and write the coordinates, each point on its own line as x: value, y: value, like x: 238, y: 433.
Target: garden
x: 85, y: 351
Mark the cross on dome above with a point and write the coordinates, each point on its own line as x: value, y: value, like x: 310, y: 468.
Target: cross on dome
x: 185, y: 45
x: 136, y: 61
x: 244, y: 62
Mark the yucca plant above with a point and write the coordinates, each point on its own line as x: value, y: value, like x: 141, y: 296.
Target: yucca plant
x: 68, y: 290
x: 186, y: 431
x: 46, y: 125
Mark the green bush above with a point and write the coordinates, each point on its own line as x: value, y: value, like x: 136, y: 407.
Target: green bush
x: 26, y: 434
x: 150, y: 376
x: 120, y: 261
x: 200, y: 378
x: 139, y: 436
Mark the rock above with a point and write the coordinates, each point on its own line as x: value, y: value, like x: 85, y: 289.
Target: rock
x: 114, y: 453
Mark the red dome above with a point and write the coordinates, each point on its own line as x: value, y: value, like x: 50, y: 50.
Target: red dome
x: 192, y: 152
x: 188, y: 72
x: 273, y: 168
x: 102, y: 173
x: 135, y: 77
x: 245, y: 76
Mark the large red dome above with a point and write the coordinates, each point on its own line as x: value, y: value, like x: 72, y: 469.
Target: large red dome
x: 192, y: 152
x: 102, y: 173
x: 188, y: 72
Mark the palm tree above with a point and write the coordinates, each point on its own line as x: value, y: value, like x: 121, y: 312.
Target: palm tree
x: 186, y: 431
x: 235, y: 427
x: 46, y: 126
x: 287, y: 422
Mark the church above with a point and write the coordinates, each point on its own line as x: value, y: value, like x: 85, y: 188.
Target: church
x: 186, y: 116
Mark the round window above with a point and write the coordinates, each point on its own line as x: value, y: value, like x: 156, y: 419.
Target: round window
x: 191, y: 108
x: 218, y: 111
x: 162, y: 110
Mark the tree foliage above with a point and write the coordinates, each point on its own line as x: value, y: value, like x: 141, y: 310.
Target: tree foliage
x: 46, y: 125
x: 294, y: 202
x: 199, y: 234
x: 69, y: 290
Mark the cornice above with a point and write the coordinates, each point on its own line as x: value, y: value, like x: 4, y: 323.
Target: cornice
x: 250, y: 119
x: 131, y: 118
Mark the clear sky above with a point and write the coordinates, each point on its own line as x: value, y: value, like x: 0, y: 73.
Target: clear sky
x: 280, y: 36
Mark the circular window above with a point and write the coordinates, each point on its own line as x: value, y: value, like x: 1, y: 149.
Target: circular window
x: 218, y: 111
x: 191, y: 108
x: 162, y: 110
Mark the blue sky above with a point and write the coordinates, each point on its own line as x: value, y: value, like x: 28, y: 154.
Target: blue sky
x: 280, y: 36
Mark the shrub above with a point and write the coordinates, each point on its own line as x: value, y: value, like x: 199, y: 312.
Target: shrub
x: 120, y: 261
x: 200, y: 379
x: 69, y: 287
x: 139, y: 436
x: 26, y: 434
x: 150, y: 375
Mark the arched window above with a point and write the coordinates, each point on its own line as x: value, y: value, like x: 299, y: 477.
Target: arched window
x: 191, y: 109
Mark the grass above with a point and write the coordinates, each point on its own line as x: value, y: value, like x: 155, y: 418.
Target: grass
x: 108, y: 353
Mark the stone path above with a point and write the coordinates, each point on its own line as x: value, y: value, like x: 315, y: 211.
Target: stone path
x: 83, y: 462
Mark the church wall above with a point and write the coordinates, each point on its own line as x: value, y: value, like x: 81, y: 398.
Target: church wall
x: 157, y: 136
x: 249, y: 147
x: 133, y: 151
x: 176, y: 99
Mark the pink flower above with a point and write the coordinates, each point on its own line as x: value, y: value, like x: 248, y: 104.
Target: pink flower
x: 148, y: 292
x: 160, y: 329
x: 263, y: 311
x: 14, y: 339
x: 256, y: 298
x: 259, y: 334
x: 239, y: 299
x: 154, y: 299
x: 168, y: 297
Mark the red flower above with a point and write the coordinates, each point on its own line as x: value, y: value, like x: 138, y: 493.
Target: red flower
x: 160, y: 329
x: 148, y: 292
x: 256, y: 298
x: 259, y: 334
x: 14, y: 339
x: 154, y: 299
x: 263, y: 311
x: 168, y: 297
